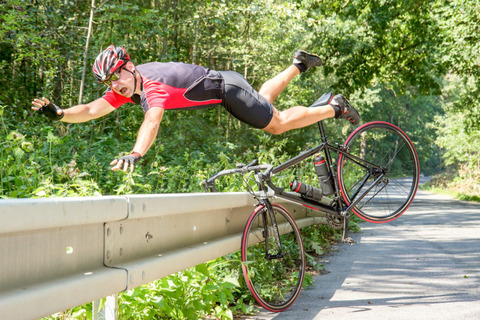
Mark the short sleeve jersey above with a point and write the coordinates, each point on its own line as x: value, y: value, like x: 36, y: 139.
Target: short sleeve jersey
x: 174, y: 85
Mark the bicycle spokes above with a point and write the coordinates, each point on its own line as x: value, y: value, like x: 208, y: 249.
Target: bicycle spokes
x: 379, y: 175
x: 273, y: 258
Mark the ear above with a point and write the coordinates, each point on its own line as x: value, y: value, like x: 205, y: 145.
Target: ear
x: 130, y: 66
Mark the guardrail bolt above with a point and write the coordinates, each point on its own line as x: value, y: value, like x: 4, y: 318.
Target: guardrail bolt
x: 148, y: 236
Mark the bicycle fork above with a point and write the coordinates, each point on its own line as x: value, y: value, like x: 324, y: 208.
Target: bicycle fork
x: 276, y: 233
x: 262, y: 199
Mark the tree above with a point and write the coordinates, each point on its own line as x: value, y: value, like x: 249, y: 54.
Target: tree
x: 90, y: 21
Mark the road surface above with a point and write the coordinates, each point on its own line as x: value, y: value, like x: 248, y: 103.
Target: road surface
x: 424, y: 265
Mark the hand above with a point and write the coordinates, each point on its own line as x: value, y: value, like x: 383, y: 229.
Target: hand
x: 49, y: 109
x: 127, y: 161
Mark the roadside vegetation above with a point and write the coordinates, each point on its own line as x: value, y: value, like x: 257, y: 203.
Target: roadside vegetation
x: 465, y: 186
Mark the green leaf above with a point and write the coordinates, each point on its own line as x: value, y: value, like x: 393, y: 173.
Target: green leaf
x: 203, y: 269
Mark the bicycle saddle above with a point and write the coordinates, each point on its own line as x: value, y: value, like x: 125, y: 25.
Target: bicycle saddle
x: 324, y: 100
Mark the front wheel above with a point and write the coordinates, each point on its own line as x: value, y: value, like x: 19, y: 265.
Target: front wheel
x: 273, y: 258
x: 378, y: 155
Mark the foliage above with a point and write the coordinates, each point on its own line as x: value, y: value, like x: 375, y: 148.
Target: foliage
x: 458, y: 136
x: 463, y: 185
x: 190, y: 294
x: 370, y: 42
x: 381, y: 55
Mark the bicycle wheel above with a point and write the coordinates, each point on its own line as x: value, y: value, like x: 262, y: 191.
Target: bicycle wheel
x: 273, y: 258
x: 383, y: 152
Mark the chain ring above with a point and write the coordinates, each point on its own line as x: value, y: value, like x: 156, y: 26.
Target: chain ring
x: 335, y: 222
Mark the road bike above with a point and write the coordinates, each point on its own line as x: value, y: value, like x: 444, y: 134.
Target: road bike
x: 376, y: 177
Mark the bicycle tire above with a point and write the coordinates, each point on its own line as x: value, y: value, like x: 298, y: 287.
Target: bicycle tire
x: 388, y: 147
x: 275, y: 283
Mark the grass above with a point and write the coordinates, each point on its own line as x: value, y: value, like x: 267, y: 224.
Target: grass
x: 464, y: 185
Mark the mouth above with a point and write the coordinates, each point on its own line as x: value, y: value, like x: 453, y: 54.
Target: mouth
x: 123, y: 91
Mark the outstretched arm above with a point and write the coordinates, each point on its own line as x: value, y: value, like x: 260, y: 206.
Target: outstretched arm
x: 145, y: 138
x: 75, y: 114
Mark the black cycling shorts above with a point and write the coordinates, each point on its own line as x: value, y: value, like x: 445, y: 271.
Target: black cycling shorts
x: 243, y: 102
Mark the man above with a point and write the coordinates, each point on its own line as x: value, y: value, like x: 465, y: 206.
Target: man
x: 160, y: 86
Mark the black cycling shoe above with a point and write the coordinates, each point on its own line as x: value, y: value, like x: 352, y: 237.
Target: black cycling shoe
x: 304, y: 60
x: 346, y: 110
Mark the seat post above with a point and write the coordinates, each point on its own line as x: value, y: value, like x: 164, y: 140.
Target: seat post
x: 322, y: 131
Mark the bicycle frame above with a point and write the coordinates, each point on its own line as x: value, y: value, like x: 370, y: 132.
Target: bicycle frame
x: 327, y: 149
x: 337, y: 206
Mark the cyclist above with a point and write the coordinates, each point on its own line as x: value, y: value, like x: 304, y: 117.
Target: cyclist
x: 158, y: 86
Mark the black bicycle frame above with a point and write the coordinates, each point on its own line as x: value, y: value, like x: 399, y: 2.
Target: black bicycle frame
x: 326, y: 148
x: 339, y: 209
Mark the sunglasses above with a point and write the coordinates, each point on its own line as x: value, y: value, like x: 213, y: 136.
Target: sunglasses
x: 114, y: 77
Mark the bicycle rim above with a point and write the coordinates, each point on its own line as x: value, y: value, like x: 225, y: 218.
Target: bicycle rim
x: 274, y: 281
x: 388, y: 155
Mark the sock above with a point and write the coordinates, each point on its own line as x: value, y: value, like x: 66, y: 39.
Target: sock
x: 300, y: 66
x: 337, y: 110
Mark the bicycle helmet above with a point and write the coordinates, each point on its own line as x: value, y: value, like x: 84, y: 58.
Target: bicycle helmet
x: 109, y: 61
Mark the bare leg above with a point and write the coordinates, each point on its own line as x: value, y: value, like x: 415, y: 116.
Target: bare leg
x: 273, y: 87
x: 297, y: 117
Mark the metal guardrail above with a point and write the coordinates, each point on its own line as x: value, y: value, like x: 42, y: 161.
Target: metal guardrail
x: 63, y: 252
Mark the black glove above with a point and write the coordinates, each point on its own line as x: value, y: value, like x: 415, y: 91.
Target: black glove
x: 51, y: 111
x: 131, y: 158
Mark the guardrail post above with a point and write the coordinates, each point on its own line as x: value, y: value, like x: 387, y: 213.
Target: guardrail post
x: 106, y: 308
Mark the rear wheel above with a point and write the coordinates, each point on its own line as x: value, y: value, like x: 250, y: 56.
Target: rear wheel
x: 382, y: 153
x: 273, y: 258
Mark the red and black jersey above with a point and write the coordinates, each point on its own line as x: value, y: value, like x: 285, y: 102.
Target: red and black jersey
x: 174, y: 85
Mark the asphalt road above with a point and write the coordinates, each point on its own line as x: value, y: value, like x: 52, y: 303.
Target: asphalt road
x: 424, y: 265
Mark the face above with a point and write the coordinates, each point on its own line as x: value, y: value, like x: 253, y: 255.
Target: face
x: 124, y: 83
